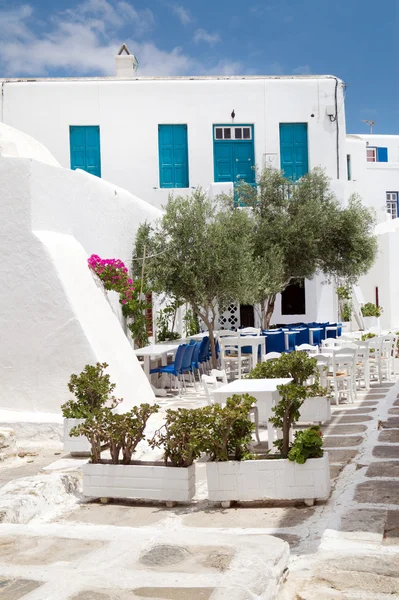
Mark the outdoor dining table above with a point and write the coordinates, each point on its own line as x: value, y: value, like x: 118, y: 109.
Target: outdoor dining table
x: 311, y: 330
x: 156, y: 351
x: 263, y: 390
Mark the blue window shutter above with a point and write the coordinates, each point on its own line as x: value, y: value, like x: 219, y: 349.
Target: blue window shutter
x: 85, y: 148
x: 382, y: 154
x: 173, y: 156
x: 294, y: 150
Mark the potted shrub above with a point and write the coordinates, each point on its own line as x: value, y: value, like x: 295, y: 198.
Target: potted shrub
x: 92, y: 390
x: 180, y: 438
x: 171, y: 480
x: 371, y: 315
x: 119, y: 476
x: 316, y: 406
x: 234, y: 473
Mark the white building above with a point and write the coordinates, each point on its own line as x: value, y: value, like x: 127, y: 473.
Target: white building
x: 373, y: 172
x: 154, y: 136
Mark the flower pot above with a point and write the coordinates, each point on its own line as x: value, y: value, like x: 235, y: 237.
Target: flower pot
x: 274, y: 479
x: 140, y: 480
x: 371, y: 322
x: 77, y: 446
x: 346, y: 326
x: 315, y: 410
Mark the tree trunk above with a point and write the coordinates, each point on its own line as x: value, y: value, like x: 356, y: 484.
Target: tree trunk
x: 262, y: 313
x: 269, y: 311
x: 286, y: 436
x: 213, y: 345
x: 210, y: 323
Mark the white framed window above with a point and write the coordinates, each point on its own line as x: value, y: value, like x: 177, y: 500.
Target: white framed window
x: 392, y: 204
x: 371, y: 154
x: 241, y: 132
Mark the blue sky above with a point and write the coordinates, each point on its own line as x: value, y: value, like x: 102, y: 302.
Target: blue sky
x: 357, y: 40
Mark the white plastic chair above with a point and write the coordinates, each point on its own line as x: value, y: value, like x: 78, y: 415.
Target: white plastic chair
x: 312, y: 350
x: 209, y: 384
x: 363, y: 363
x: 230, y: 354
x: 270, y: 356
x: 219, y: 374
x: 222, y: 333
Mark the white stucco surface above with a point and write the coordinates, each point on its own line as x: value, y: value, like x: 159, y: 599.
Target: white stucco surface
x: 55, y: 316
x: 14, y: 143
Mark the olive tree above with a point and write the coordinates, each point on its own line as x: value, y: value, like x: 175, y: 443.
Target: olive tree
x: 200, y: 251
x: 301, y: 229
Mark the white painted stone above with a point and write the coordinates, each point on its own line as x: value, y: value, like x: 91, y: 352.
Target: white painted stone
x: 315, y: 410
x: 140, y: 481
x: 270, y: 479
x: 55, y: 315
x: 77, y: 446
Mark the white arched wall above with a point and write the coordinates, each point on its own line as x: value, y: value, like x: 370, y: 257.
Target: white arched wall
x: 55, y: 317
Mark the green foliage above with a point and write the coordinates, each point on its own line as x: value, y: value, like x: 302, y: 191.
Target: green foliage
x: 121, y: 432
x: 368, y: 336
x: 296, y: 365
x: 166, y: 322
x: 227, y: 431
x: 180, y: 437
x: 92, y: 390
x: 371, y: 310
x: 301, y: 229
x: 191, y: 323
x: 307, y: 444
x: 344, y: 292
x: 202, y: 253
x: 346, y: 312
x: 300, y: 367
x: 135, y: 312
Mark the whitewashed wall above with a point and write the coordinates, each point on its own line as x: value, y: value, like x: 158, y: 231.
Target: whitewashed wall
x: 373, y: 180
x: 54, y: 317
x: 128, y: 113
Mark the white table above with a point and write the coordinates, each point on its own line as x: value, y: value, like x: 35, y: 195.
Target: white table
x: 311, y: 330
x: 286, y: 334
x: 266, y: 394
x: 155, y: 351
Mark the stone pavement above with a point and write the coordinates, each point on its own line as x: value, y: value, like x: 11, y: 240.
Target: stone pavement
x: 346, y: 548
x: 358, y: 552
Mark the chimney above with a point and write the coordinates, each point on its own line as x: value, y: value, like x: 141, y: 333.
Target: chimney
x: 126, y: 64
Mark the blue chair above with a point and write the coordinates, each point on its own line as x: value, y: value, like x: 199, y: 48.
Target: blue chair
x: 203, y: 355
x: 275, y: 342
x: 175, y: 367
x: 302, y: 335
x: 187, y: 363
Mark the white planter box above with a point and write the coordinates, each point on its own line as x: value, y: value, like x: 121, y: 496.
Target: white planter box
x: 144, y: 481
x: 346, y: 326
x: 275, y: 479
x: 77, y: 446
x: 315, y: 410
x: 372, y: 323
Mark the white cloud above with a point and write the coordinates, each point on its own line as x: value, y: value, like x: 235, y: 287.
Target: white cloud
x: 84, y: 41
x: 182, y: 13
x: 302, y: 70
x: 201, y: 35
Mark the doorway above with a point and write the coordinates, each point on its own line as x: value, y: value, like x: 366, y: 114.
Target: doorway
x: 247, y: 315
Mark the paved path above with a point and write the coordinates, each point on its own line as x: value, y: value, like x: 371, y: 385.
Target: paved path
x: 357, y: 554
x: 344, y: 549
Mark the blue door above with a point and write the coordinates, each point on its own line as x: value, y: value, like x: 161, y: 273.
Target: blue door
x: 173, y: 156
x: 294, y: 150
x: 233, y: 151
x: 85, y: 148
